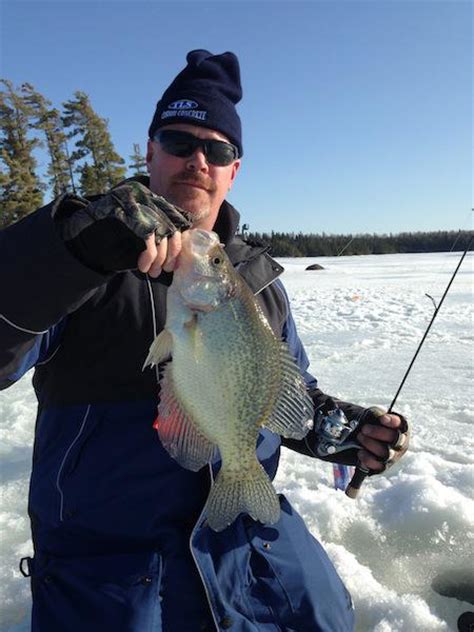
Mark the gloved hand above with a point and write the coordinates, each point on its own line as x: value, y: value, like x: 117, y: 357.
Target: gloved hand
x: 109, y: 234
x: 384, y: 438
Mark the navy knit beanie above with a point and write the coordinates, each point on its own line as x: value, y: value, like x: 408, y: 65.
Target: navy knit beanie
x: 204, y: 93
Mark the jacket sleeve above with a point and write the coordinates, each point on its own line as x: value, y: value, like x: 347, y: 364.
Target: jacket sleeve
x: 40, y: 284
x: 321, y: 400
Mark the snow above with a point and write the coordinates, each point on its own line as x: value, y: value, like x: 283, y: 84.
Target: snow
x: 361, y: 319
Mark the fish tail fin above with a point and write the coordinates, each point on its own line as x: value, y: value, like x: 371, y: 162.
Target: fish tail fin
x: 248, y: 492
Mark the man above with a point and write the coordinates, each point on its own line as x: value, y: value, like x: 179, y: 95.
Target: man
x: 120, y: 537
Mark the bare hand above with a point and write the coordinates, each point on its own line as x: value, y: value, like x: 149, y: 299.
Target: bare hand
x: 162, y: 256
x: 383, y: 444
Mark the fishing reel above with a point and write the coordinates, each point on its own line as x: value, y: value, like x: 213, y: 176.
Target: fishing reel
x: 332, y: 429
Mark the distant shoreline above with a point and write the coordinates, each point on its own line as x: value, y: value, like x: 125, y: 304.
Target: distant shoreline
x: 323, y: 245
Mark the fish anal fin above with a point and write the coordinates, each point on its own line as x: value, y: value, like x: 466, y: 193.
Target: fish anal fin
x: 178, y: 434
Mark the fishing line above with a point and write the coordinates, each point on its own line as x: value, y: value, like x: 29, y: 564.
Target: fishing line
x: 446, y: 263
x: 346, y: 246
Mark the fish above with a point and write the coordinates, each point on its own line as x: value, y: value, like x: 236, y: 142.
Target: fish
x: 229, y: 377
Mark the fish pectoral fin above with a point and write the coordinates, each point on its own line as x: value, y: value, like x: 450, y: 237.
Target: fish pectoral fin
x: 160, y: 349
x: 292, y: 416
x: 178, y: 434
x: 245, y: 491
x: 191, y: 323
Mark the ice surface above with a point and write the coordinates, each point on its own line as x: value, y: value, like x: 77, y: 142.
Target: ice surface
x: 360, y: 320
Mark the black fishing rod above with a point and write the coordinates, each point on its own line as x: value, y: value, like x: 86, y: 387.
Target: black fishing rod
x: 361, y: 472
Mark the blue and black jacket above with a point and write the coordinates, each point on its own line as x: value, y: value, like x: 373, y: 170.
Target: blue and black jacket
x: 119, y: 536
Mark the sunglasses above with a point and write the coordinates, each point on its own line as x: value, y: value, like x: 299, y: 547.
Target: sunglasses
x: 184, y: 144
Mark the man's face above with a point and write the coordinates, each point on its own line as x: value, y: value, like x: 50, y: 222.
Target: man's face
x: 191, y: 183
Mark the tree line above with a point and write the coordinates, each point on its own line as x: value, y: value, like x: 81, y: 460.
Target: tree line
x: 323, y: 245
x: 82, y: 159
x: 81, y: 155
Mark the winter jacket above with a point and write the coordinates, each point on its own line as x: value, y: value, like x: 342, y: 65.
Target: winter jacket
x: 120, y: 539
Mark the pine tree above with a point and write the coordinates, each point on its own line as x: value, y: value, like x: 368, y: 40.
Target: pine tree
x: 21, y: 189
x: 138, y: 164
x: 94, y: 142
x: 48, y: 120
x: 90, y: 179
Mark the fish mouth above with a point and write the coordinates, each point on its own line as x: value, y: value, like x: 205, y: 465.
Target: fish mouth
x: 199, y: 240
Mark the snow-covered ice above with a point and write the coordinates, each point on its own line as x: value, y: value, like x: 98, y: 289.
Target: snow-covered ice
x: 361, y: 319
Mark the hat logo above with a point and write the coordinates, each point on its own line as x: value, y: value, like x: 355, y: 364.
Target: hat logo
x: 183, y: 104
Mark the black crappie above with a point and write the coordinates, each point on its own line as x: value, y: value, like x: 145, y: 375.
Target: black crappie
x: 229, y: 376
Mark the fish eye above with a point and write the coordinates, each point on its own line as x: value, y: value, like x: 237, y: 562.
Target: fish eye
x: 216, y: 261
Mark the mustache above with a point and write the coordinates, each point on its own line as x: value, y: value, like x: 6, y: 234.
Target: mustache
x: 195, y: 178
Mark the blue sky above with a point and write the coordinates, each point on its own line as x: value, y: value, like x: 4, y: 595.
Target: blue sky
x: 357, y: 115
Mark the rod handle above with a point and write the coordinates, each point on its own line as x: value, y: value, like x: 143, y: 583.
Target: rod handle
x: 354, y: 486
x: 361, y: 472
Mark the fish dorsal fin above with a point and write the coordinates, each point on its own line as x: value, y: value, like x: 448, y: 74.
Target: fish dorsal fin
x: 160, y: 349
x: 178, y: 434
x: 292, y: 416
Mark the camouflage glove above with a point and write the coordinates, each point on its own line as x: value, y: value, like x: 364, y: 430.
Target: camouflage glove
x: 397, y: 448
x: 109, y: 234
